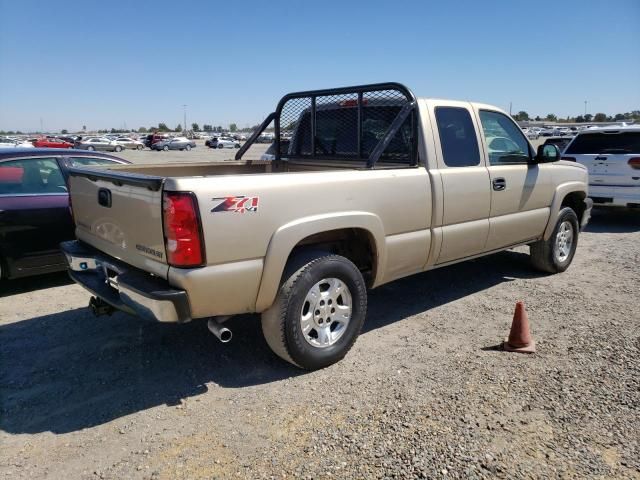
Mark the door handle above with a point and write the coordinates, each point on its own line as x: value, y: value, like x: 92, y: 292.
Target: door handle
x: 499, y: 184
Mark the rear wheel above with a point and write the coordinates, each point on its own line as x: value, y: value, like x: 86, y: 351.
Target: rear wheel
x: 90, y: 148
x: 318, y: 312
x: 556, y: 254
x: 118, y: 148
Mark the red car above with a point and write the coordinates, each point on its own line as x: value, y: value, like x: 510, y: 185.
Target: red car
x: 51, y: 143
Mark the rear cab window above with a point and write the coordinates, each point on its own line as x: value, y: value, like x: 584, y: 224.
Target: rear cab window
x: 457, y: 137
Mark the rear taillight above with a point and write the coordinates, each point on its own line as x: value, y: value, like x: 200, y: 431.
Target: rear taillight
x: 634, y: 163
x: 182, y: 232
x: 569, y: 159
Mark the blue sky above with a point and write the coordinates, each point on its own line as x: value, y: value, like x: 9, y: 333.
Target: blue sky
x: 104, y: 64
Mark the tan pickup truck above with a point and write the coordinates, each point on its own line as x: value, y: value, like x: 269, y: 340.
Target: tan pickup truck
x: 365, y: 185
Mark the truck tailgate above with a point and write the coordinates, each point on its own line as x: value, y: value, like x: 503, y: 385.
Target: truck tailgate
x: 120, y: 215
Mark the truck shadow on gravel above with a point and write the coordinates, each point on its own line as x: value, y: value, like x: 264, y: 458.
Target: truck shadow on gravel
x: 32, y: 284
x: 69, y: 371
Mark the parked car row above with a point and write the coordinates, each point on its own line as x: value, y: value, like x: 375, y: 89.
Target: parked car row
x: 222, y: 142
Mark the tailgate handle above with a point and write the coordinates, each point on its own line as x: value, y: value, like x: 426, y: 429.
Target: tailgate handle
x: 104, y: 197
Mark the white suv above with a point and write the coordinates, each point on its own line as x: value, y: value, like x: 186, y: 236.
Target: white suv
x: 613, y: 159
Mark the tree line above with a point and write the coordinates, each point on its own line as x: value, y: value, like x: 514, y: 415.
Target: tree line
x: 634, y: 115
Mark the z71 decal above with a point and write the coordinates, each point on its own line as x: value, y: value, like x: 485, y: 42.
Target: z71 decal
x: 236, y: 204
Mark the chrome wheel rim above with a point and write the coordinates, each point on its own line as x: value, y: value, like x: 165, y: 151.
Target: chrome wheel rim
x: 326, y: 312
x: 564, y: 241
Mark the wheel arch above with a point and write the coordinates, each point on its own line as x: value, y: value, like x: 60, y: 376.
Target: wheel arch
x: 359, y: 236
x: 571, y: 194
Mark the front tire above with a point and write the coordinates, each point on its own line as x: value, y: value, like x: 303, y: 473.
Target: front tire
x: 139, y: 147
x: 220, y: 145
x: 187, y: 148
x: 90, y: 148
x: 556, y: 254
x: 165, y: 148
x: 118, y: 148
x: 318, y: 312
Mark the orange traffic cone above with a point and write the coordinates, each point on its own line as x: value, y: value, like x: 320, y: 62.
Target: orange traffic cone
x: 520, y: 337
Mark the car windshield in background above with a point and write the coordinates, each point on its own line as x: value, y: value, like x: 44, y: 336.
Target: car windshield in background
x: 601, y: 142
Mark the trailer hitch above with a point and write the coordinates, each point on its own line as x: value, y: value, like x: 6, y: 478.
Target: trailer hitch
x: 100, y: 307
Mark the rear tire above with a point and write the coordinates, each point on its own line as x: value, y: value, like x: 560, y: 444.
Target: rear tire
x: 118, y: 148
x: 90, y: 148
x: 318, y: 312
x: 556, y: 254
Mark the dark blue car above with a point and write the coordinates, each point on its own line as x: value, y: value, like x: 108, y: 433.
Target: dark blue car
x: 34, y: 207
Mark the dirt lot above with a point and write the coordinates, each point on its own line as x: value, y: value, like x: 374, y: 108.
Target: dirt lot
x: 424, y: 393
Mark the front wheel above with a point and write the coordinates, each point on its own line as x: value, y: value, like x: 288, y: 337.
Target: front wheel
x: 118, y: 148
x: 220, y: 145
x: 165, y: 148
x: 139, y: 147
x: 90, y: 148
x: 556, y: 254
x: 187, y: 148
x: 318, y: 312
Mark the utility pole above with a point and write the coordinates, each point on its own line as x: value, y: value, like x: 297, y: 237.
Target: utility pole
x: 184, y: 127
x: 585, y: 107
x: 41, y: 127
x: 510, y: 103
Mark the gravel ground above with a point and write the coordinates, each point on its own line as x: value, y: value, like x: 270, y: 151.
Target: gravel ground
x: 425, y: 392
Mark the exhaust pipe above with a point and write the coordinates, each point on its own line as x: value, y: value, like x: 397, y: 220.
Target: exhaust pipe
x: 100, y: 307
x: 223, y: 333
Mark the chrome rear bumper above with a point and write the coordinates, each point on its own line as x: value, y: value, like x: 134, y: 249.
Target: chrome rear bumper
x: 125, y: 287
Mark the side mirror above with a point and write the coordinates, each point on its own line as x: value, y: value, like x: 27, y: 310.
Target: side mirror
x: 548, y: 153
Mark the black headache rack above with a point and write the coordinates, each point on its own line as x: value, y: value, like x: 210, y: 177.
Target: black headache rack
x: 364, y: 123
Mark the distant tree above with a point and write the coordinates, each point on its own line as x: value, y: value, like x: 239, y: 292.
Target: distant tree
x: 142, y: 130
x: 178, y: 128
x: 600, y: 117
x: 162, y: 127
x: 588, y: 117
x: 207, y: 128
x: 579, y: 119
x: 522, y: 115
x: 64, y: 131
x: 551, y: 118
x: 537, y: 119
x: 84, y: 128
x: 619, y: 116
x: 219, y: 129
x: 18, y: 132
x: 195, y: 127
x: 233, y: 127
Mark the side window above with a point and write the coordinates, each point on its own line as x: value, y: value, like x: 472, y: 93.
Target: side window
x: 31, y: 177
x: 505, y: 141
x: 457, y: 137
x: 89, y: 161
